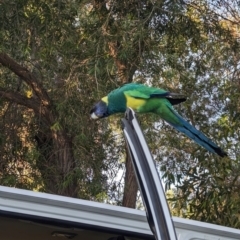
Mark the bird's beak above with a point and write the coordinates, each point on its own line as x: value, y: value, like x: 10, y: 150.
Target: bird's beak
x: 94, y: 116
x: 99, y: 110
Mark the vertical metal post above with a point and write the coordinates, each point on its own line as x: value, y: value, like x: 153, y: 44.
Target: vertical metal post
x: 158, y: 214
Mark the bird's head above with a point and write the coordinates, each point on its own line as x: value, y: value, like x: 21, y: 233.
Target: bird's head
x: 100, y: 109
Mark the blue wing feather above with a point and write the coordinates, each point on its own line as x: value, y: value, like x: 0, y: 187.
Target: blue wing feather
x: 196, y: 135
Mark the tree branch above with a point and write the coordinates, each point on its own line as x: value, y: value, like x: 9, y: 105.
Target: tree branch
x: 18, y: 98
x: 26, y: 76
x: 32, y: 103
x: 125, y: 70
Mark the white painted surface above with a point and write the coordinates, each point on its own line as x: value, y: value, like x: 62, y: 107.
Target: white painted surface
x: 103, y: 215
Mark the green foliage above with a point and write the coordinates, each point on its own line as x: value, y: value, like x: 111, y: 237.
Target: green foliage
x: 79, y: 51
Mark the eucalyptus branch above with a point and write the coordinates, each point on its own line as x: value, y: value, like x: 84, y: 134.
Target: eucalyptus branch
x: 26, y: 76
x: 18, y: 98
x: 32, y: 103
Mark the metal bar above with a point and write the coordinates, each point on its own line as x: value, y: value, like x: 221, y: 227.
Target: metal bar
x: 158, y: 214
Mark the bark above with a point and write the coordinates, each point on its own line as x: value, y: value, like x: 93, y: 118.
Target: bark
x: 131, y: 186
x: 125, y: 73
x: 56, y: 162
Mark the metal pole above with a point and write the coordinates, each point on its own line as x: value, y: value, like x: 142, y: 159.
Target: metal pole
x: 157, y: 210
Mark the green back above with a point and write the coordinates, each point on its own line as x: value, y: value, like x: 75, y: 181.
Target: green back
x: 141, y: 91
x: 117, y: 98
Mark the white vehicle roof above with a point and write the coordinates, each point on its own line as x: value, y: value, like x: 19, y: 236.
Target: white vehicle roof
x: 32, y: 215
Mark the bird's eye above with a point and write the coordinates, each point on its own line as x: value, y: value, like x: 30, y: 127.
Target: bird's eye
x: 92, y: 110
x: 105, y: 114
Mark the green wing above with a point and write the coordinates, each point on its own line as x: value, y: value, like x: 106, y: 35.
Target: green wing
x: 141, y: 91
x: 144, y: 92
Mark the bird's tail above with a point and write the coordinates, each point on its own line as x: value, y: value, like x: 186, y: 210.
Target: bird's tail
x: 197, y: 136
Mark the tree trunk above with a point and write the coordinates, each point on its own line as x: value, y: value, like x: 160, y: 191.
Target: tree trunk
x: 125, y: 71
x: 125, y: 74
x: 131, y: 186
x: 56, y: 161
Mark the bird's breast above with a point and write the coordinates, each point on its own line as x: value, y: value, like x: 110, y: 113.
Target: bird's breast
x: 135, y: 103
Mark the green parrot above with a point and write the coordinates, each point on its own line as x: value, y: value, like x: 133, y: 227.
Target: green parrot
x: 144, y: 99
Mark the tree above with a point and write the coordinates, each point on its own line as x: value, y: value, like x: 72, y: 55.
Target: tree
x: 43, y: 58
x: 58, y: 57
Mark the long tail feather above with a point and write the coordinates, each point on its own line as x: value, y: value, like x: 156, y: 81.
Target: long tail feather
x: 197, y: 136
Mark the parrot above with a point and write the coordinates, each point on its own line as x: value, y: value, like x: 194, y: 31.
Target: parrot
x: 144, y: 99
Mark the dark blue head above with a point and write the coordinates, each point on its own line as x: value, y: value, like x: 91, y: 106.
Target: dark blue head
x: 99, y: 110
